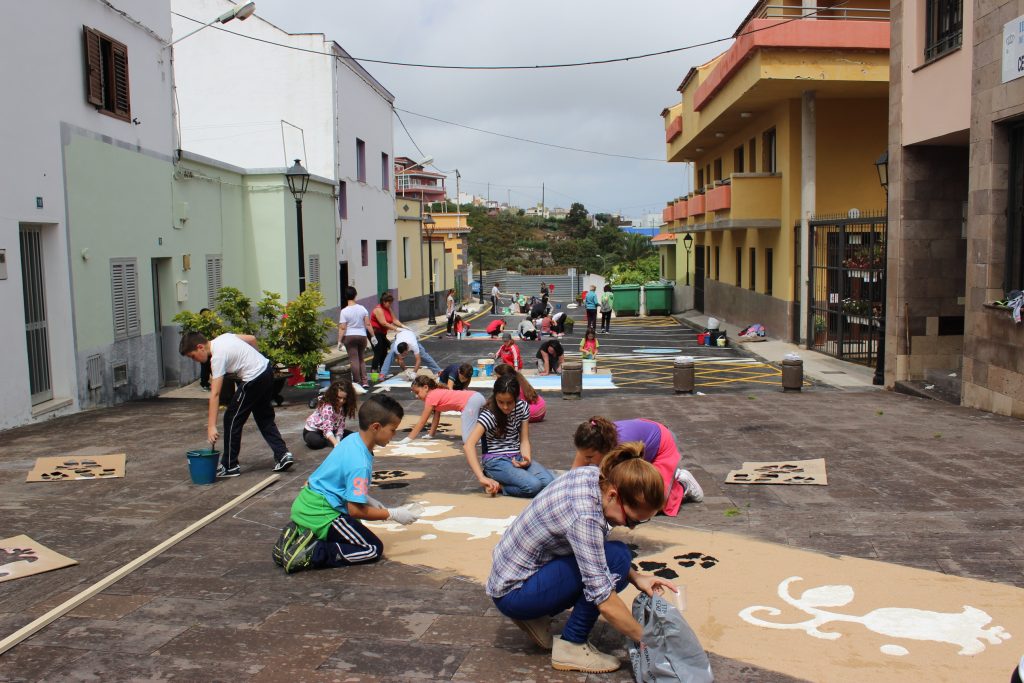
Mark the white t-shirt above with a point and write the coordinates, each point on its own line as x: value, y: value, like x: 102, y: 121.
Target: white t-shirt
x: 232, y: 356
x: 409, y: 337
x: 354, y: 317
x: 495, y: 291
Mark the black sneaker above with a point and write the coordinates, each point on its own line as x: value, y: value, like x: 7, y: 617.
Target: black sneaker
x: 294, y: 548
x: 284, y: 462
x: 225, y: 472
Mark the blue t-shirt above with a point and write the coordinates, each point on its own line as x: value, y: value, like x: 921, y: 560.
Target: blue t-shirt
x: 591, y: 301
x: 645, y: 431
x: 345, y: 473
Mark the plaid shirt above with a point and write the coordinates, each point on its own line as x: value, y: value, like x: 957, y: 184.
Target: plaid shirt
x: 566, y: 518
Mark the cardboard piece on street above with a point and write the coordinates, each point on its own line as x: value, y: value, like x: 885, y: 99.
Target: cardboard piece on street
x: 447, y: 443
x: 20, y: 556
x: 811, y: 616
x: 805, y: 472
x: 77, y: 467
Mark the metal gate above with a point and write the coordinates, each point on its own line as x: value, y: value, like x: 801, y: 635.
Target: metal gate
x: 698, y: 278
x: 37, y: 335
x: 847, y: 300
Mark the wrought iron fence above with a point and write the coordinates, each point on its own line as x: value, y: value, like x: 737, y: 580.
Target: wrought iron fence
x: 847, y: 303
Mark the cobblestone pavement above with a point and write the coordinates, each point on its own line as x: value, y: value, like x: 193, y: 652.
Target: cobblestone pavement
x: 911, y: 482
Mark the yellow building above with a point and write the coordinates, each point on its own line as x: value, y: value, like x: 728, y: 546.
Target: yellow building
x: 783, y: 127
x: 414, y: 249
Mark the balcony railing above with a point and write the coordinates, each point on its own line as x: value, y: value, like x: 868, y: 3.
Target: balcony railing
x: 674, y: 129
x: 666, y: 214
x: 679, y: 210
x: 719, y: 198
x: 842, y: 12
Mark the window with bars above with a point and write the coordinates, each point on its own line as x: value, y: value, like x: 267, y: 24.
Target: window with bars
x: 214, y: 278
x: 106, y: 74
x: 124, y: 289
x: 944, y: 24
x: 313, y: 270
x: 1013, y: 276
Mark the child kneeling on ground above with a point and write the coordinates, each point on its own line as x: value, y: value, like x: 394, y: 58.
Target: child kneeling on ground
x: 325, y: 529
x: 503, y: 426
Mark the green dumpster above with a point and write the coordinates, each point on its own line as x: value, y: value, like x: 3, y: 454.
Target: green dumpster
x: 658, y: 298
x: 627, y: 299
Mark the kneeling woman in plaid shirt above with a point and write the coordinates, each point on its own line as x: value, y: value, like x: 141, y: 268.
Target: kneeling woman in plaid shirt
x: 555, y: 556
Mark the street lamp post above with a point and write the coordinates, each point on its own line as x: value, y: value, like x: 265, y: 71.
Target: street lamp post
x: 882, y: 166
x: 429, y: 225
x: 298, y: 181
x: 688, y: 244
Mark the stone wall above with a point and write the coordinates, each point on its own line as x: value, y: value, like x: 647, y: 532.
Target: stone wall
x: 993, y: 366
x: 738, y: 307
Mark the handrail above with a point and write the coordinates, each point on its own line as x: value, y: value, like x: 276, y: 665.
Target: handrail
x: 824, y: 13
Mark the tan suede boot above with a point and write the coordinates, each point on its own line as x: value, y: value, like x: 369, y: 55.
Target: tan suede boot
x: 566, y: 656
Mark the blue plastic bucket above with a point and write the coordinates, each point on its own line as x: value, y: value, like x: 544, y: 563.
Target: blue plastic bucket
x: 202, y: 466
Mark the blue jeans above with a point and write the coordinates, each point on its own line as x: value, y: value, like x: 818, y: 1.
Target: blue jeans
x: 558, y: 586
x: 425, y: 360
x: 517, y: 481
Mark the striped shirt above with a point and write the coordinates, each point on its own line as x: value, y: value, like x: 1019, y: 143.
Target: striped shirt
x: 493, y: 445
x: 566, y: 518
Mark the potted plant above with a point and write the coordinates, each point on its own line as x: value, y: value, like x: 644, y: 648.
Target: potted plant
x: 820, y: 328
x: 300, y: 340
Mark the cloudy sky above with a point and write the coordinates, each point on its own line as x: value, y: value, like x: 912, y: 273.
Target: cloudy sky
x: 610, y: 108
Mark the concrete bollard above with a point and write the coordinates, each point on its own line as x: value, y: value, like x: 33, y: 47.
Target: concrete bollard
x: 572, y: 379
x: 682, y: 375
x: 792, y: 374
x: 341, y: 372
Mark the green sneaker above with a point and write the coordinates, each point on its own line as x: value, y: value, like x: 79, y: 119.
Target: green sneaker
x: 294, y: 548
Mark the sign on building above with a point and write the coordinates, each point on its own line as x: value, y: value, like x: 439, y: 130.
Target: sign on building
x: 1013, y: 49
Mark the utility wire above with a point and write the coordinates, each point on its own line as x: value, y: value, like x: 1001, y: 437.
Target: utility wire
x: 408, y: 133
x: 532, y: 142
x: 520, y: 67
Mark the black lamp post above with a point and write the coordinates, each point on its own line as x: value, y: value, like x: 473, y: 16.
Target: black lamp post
x: 882, y: 166
x: 688, y: 244
x: 298, y: 181
x: 428, y: 228
x: 480, y: 255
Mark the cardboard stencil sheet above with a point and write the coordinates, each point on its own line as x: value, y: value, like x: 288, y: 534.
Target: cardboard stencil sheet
x: 20, y: 556
x: 77, y: 467
x: 801, y: 472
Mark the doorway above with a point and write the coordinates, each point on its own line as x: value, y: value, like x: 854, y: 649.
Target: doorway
x: 162, y: 286
x: 342, y: 281
x: 37, y: 331
x: 382, y: 267
x: 698, y: 278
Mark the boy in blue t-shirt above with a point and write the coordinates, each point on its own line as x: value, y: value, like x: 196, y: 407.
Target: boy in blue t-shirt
x: 325, y: 530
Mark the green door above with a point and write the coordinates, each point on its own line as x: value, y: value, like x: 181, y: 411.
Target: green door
x: 382, y: 267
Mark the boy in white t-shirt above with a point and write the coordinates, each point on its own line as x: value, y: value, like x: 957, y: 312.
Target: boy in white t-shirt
x: 235, y: 356
x: 406, y: 341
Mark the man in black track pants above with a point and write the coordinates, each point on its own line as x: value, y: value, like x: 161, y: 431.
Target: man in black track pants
x: 235, y: 356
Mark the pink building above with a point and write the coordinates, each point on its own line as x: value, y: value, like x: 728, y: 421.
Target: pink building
x: 418, y: 183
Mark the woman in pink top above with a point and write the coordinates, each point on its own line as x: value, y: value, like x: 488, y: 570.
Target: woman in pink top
x: 438, y: 400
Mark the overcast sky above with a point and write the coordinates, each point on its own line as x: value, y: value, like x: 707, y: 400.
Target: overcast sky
x: 611, y: 108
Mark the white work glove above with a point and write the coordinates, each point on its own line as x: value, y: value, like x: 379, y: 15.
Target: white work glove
x: 374, y: 503
x: 426, y: 436
x: 404, y: 441
x: 402, y: 515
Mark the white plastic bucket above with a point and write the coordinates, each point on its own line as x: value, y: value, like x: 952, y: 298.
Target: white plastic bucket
x: 713, y: 323
x: 590, y: 367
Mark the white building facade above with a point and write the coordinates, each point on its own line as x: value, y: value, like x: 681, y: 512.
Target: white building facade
x: 100, y: 93
x: 261, y: 105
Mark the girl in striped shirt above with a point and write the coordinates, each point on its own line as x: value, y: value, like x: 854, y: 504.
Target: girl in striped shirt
x: 502, y: 429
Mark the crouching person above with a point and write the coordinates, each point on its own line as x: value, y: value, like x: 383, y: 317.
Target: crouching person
x: 556, y: 556
x: 326, y: 528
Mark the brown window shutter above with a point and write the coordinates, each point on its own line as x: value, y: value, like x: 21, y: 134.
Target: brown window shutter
x: 122, y: 100
x: 93, y: 67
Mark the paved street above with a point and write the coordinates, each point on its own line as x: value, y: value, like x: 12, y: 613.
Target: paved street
x: 911, y: 482
x: 638, y: 353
